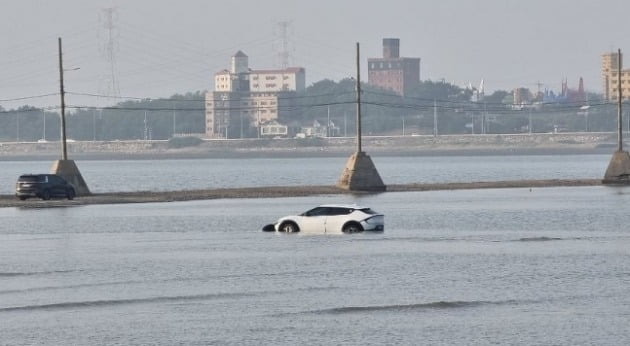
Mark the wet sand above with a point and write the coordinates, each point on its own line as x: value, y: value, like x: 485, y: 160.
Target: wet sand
x: 274, y: 192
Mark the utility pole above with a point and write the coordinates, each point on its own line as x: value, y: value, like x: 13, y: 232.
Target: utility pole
x: 360, y: 174
x: 94, y: 125
x: 328, y: 124
x: 530, y: 122
x: 618, y: 171
x: 257, y: 122
x: 175, y: 121
x: 485, y: 118
x: 435, y: 126
x: 64, y: 151
x: 619, y: 102
x: 345, y: 124
x: 146, y: 129
x: 403, y: 124
x: 65, y: 168
x: 358, y: 102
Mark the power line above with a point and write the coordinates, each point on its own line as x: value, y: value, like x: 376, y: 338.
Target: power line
x: 200, y: 100
x: 577, y: 103
x: 170, y: 109
x: 28, y: 97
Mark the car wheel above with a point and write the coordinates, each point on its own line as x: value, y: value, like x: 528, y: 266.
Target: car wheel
x: 22, y: 198
x: 352, y: 227
x: 46, y: 195
x: 289, y: 227
x: 70, y: 193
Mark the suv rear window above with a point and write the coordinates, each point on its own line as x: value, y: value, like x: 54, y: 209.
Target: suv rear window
x: 28, y: 178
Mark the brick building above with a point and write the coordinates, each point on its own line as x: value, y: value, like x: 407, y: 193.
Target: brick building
x: 393, y: 72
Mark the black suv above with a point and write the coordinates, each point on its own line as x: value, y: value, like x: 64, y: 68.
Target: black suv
x: 43, y: 186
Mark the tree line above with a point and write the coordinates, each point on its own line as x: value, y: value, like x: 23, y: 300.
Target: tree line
x: 383, y: 113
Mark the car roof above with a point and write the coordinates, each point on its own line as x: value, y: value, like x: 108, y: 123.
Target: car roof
x: 349, y: 206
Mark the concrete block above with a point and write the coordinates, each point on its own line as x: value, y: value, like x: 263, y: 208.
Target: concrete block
x: 360, y: 174
x: 68, y: 170
x: 618, y: 171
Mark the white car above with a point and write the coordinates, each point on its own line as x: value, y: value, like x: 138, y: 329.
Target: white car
x: 331, y: 219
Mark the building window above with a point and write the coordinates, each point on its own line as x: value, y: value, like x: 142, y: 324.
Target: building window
x: 270, y: 77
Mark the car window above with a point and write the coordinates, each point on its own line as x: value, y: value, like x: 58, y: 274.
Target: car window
x: 28, y: 178
x: 316, y: 211
x: 339, y: 211
x: 43, y: 178
x: 369, y: 211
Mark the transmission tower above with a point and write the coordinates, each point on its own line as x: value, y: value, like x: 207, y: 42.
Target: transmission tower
x: 109, y: 48
x: 282, y: 38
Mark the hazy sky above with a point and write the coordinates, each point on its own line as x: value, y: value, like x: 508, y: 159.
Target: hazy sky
x: 167, y: 47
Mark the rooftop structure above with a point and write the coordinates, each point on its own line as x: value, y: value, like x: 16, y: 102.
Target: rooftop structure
x: 393, y: 72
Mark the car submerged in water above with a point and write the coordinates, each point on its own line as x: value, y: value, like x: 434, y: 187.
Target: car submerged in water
x: 331, y: 219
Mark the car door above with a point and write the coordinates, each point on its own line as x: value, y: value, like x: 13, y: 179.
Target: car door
x: 337, y: 217
x: 314, y: 220
x: 56, y: 187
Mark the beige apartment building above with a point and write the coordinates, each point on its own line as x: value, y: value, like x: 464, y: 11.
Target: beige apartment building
x: 610, y: 77
x: 244, y: 99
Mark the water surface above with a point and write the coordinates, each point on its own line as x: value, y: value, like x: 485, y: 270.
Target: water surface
x: 511, y: 266
x: 164, y: 175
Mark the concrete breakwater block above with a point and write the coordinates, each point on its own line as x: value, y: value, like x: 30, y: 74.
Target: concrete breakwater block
x: 360, y: 174
x: 68, y: 170
x: 618, y: 171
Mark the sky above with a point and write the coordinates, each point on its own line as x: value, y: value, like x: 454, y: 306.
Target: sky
x: 161, y: 48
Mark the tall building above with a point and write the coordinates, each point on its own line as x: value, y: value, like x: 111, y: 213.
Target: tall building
x: 244, y: 99
x: 610, y: 77
x: 393, y: 72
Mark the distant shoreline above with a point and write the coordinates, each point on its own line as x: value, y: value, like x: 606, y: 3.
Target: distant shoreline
x: 7, y: 201
x: 425, y: 145
x: 324, y: 152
